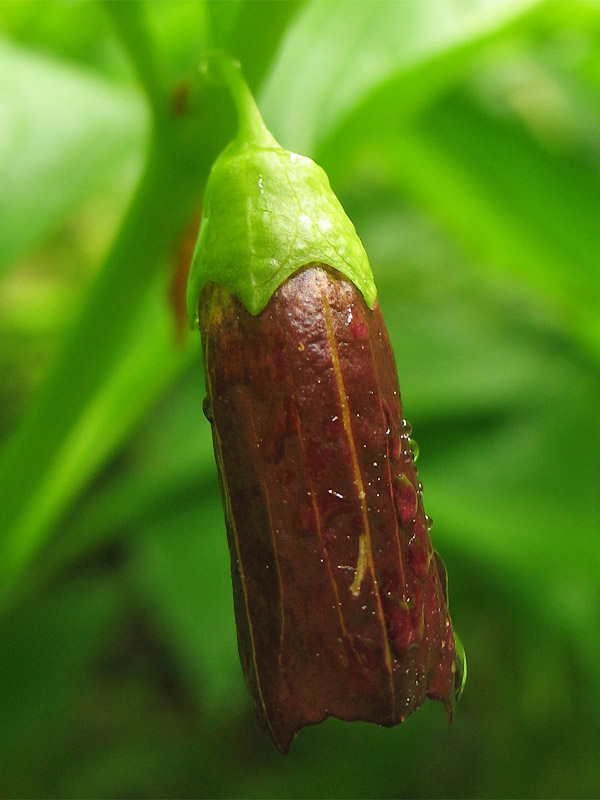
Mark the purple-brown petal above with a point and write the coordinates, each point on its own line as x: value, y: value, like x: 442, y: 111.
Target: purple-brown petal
x: 339, y: 606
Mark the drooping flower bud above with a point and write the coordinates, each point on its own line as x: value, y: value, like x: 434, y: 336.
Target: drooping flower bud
x: 340, y: 604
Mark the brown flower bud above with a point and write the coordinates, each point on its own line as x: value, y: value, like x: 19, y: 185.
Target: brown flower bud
x: 339, y: 603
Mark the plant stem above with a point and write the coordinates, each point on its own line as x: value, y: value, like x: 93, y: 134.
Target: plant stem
x: 251, y: 126
x: 129, y: 22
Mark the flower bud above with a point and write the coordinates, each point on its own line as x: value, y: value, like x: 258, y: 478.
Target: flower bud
x: 339, y: 604
x: 340, y: 599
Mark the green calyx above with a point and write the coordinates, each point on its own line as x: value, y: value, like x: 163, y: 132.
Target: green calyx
x: 268, y: 213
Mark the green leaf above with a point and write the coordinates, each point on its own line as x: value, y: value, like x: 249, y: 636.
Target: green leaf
x: 524, y: 210
x: 163, y: 467
x: 130, y: 22
x: 64, y: 132
x: 143, y: 366
x: 61, y: 430
x: 223, y: 17
x: 269, y: 19
x: 322, y: 74
x: 527, y: 524
x: 47, y: 651
x: 181, y: 571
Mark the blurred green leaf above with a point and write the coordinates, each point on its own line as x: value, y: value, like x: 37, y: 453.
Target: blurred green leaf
x: 523, y: 209
x: 165, y: 468
x: 47, y: 650
x: 181, y: 580
x: 528, y: 520
x: 131, y: 24
x: 71, y: 32
x: 64, y: 132
x: 321, y: 76
x: 136, y: 377
x: 270, y: 19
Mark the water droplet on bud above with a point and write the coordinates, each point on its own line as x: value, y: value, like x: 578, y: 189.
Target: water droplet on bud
x: 414, y: 448
x: 334, y: 427
x: 358, y: 326
x: 388, y: 419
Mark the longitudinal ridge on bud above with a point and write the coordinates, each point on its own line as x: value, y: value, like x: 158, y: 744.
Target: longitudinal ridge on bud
x: 339, y: 603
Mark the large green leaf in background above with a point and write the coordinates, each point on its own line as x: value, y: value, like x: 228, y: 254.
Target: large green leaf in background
x: 306, y: 99
x: 65, y: 132
x: 480, y: 225
x: 535, y: 211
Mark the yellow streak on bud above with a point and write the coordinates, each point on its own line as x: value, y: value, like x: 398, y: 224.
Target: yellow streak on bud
x: 365, y: 557
x: 365, y: 552
x: 361, y: 565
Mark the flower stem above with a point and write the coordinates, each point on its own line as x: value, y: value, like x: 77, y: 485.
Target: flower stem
x: 251, y: 126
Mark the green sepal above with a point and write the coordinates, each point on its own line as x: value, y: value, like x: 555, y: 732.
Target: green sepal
x: 267, y: 213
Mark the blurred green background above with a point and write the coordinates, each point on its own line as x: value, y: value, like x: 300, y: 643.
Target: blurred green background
x: 462, y: 138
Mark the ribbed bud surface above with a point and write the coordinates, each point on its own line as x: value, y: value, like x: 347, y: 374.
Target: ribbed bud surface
x: 339, y: 603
